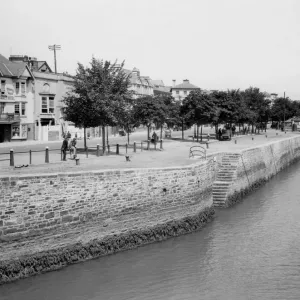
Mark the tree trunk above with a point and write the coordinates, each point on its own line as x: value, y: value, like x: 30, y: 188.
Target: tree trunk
x: 103, y: 139
x: 161, y: 130
x: 84, y: 137
x: 106, y: 135
x: 148, y: 132
x: 201, y: 134
x: 194, y: 130
x: 182, y: 134
x: 128, y: 137
x: 197, y: 133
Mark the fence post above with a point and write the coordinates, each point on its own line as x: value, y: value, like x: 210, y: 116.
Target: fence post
x: 148, y: 145
x: 30, y: 157
x: 117, y: 149
x: 47, y: 155
x: 134, y: 146
x: 11, y: 158
x: 98, y: 150
x: 87, y: 152
x: 161, y: 144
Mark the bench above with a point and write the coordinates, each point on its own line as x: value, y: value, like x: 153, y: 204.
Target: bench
x: 197, y: 151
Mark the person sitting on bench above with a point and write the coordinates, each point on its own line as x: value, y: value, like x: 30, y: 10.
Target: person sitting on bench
x: 154, y: 138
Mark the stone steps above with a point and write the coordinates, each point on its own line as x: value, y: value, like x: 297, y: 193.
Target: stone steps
x: 225, y: 176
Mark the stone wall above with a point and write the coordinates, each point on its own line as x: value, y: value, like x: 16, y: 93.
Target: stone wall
x: 257, y: 165
x: 30, y: 205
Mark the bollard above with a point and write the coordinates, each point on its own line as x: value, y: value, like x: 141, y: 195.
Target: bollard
x: 235, y: 141
x: 134, y: 147
x: 148, y: 145
x: 117, y: 149
x: 98, y: 150
x: 252, y: 138
x: 108, y: 149
x: 161, y: 144
x: 47, y: 155
x: 87, y: 152
x: 11, y: 158
x: 207, y: 145
x: 266, y: 135
x: 126, y: 147
x: 30, y: 157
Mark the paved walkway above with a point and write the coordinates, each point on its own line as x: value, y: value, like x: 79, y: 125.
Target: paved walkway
x: 174, y: 153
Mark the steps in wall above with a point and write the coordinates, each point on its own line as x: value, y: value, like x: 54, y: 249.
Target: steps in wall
x: 224, y: 179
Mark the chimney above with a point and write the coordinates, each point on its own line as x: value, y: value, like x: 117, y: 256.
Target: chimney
x: 174, y: 82
x: 186, y: 81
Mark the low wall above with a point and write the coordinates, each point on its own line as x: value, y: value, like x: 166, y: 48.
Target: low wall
x: 258, y: 165
x: 31, y: 204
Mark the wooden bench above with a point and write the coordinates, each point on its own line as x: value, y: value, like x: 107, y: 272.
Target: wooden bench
x: 197, y: 151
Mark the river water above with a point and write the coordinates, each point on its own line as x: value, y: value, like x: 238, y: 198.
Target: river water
x: 250, y: 251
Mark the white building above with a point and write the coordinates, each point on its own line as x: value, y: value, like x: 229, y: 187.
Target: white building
x: 180, y: 91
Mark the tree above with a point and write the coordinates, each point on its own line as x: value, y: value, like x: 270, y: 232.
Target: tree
x: 198, y: 108
x: 149, y: 110
x: 96, y: 91
x: 283, y: 108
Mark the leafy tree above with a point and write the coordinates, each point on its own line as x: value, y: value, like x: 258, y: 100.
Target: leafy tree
x: 97, y: 89
x: 149, y: 110
x: 198, y: 108
x: 283, y: 108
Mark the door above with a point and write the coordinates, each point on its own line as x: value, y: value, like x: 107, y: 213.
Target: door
x: 5, y: 133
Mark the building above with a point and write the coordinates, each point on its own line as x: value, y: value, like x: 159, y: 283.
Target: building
x: 16, y: 101
x: 159, y: 88
x: 180, y: 91
x: 32, y: 62
x: 140, y: 85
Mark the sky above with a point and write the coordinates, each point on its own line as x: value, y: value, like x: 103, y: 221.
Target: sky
x: 215, y: 44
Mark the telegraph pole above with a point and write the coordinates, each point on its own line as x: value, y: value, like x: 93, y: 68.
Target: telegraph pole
x: 284, y: 112
x: 54, y: 48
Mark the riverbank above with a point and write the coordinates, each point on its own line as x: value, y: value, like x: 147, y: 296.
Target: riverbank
x: 47, y: 214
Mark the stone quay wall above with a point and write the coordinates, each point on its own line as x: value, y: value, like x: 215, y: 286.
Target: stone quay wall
x: 30, y: 205
x: 258, y: 165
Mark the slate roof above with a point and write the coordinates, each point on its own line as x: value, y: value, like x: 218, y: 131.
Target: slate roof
x: 185, y: 85
x: 158, y: 82
x: 11, y: 69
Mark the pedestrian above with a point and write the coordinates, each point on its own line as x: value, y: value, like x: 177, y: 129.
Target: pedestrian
x: 64, y: 148
x: 220, y: 133
x: 73, y: 147
x: 68, y: 135
x: 233, y: 130
x: 154, y: 137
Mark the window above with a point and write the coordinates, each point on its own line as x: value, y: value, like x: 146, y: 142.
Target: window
x: 23, y: 110
x: 16, y: 131
x: 177, y: 92
x: 17, y: 87
x: 17, y: 108
x: 46, y: 88
x: 23, y: 88
x: 2, y: 105
x: 47, y: 105
x: 2, y: 87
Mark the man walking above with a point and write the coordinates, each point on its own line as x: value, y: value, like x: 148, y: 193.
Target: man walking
x: 64, y: 148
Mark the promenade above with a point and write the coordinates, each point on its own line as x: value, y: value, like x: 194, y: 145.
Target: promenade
x: 175, y: 152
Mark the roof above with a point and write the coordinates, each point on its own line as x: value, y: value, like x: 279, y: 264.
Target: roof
x: 11, y: 69
x: 162, y: 90
x: 185, y: 85
x: 158, y: 82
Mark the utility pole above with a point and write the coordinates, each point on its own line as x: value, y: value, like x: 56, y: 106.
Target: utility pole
x: 54, y: 48
x: 284, y: 112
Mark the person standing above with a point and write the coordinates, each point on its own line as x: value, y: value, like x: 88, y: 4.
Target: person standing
x: 64, y: 148
x: 73, y: 147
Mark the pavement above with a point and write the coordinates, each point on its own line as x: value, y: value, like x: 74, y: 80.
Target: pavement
x: 175, y: 152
